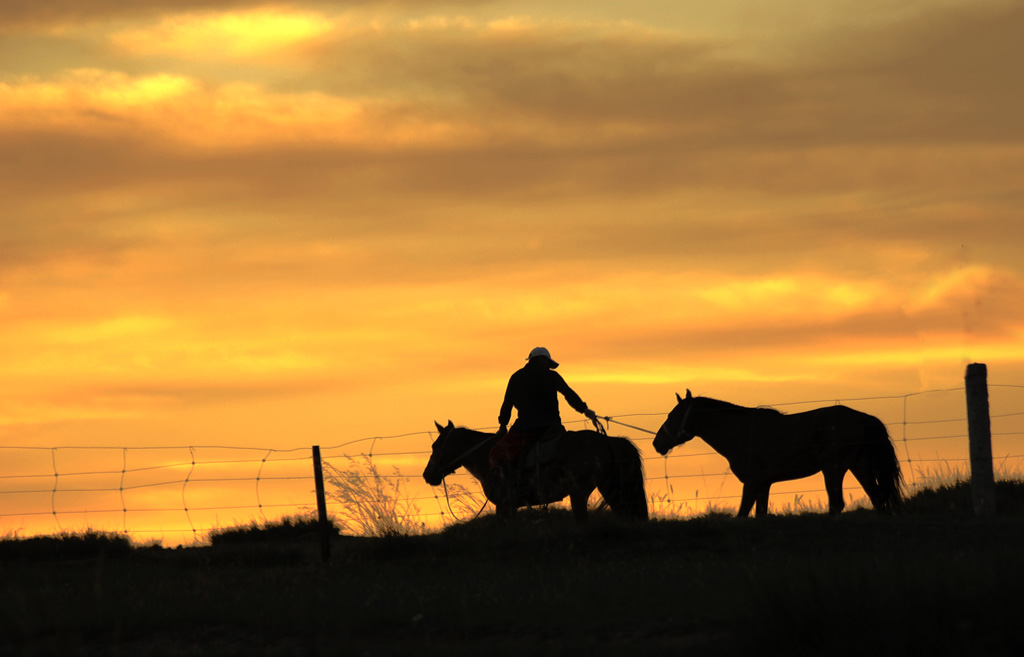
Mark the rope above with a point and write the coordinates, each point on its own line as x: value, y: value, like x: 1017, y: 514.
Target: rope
x: 646, y: 431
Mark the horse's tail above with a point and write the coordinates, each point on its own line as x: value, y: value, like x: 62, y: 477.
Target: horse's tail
x: 623, y: 484
x: 885, y: 465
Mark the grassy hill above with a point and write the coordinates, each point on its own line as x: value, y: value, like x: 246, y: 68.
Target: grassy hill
x: 932, y: 580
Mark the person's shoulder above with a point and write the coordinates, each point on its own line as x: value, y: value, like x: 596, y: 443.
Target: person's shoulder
x: 554, y: 375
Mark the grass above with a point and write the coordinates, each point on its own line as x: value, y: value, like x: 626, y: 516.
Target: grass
x: 374, y: 505
x: 933, y: 580
x: 66, y: 545
x: 293, y: 528
x: 370, y: 504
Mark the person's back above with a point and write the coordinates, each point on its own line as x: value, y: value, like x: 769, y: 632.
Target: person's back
x: 533, y: 392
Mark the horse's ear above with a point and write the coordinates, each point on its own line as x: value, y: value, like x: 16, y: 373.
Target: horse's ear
x: 680, y: 399
x: 438, y: 425
x: 451, y: 425
x: 688, y: 395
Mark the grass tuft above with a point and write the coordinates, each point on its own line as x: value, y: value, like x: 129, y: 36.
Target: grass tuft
x: 371, y: 504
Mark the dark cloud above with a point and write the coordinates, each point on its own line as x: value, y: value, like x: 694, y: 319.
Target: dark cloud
x: 482, y: 212
x: 600, y: 144
x: 948, y: 75
x: 567, y: 112
x: 207, y: 392
x: 945, y: 77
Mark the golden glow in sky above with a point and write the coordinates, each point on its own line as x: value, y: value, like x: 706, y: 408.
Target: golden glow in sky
x: 234, y: 34
x: 248, y: 223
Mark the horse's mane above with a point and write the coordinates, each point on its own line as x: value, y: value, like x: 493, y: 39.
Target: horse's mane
x: 482, y: 435
x: 719, y: 405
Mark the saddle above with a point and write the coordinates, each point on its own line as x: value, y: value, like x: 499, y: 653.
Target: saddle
x: 543, y: 451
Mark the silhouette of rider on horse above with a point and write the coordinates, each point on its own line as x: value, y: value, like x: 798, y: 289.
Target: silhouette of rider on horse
x: 533, y: 392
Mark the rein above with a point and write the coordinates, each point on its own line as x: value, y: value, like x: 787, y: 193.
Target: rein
x: 456, y: 462
x: 458, y: 459
x: 444, y: 482
x: 686, y: 416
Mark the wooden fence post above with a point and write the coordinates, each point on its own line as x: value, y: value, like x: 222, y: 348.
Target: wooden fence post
x: 321, y: 505
x: 979, y: 428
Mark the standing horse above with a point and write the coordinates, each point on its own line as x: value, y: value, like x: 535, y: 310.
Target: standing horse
x: 586, y: 460
x: 764, y: 446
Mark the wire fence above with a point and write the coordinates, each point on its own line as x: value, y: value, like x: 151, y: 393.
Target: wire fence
x: 179, y: 494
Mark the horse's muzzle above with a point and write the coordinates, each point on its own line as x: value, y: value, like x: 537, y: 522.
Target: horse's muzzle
x: 662, y: 443
x: 432, y: 476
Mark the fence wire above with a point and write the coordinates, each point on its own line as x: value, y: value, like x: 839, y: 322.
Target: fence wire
x: 196, y: 489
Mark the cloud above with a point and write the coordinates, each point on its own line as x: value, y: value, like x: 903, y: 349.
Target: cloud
x: 944, y: 79
x: 241, y: 34
x: 28, y: 14
x: 695, y: 92
x: 441, y: 149
x: 22, y: 14
x: 606, y: 86
x: 182, y: 111
x: 976, y: 302
x: 540, y: 108
x: 961, y: 286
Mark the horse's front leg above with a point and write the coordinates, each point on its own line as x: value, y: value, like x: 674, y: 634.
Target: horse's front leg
x: 578, y: 501
x: 747, y: 500
x: 834, y: 488
x: 505, y: 509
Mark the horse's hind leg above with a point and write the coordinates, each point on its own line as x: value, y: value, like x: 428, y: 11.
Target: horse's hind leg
x: 866, y: 478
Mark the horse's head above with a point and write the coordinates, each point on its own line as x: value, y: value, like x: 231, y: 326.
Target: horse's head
x: 675, y: 429
x: 439, y: 465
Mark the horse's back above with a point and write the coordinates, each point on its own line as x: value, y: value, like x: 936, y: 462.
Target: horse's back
x: 596, y: 444
x: 848, y: 420
x: 795, y: 445
x: 586, y: 449
x: 585, y: 440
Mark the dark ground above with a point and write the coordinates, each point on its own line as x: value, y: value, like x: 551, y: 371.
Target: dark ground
x: 932, y: 581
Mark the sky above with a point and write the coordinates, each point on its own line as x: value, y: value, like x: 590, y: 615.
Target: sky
x: 280, y: 224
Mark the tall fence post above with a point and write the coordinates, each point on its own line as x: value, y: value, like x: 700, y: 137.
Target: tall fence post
x: 321, y: 505
x: 979, y: 429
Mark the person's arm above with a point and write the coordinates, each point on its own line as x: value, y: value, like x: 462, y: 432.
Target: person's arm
x: 572, y: 398
x: 505, y: 414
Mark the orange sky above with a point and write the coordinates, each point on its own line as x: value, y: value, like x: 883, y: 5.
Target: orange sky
x: 279, y: 224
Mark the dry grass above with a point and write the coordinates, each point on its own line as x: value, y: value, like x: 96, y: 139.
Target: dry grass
x: 371, y: 504
x: 945, y: 475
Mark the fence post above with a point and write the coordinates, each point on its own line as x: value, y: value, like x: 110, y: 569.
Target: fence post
x: 321, y: 505
x: 979, y: 429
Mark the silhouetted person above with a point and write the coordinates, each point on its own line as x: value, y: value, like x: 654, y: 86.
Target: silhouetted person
x: 533, y: 392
